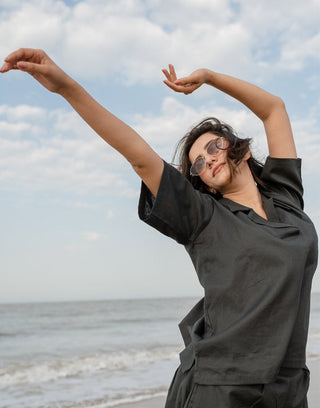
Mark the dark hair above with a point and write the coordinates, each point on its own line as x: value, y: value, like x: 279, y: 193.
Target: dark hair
x: 237, y: 148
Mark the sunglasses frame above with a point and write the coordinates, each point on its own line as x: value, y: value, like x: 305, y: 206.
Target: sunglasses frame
x: 216, y: 148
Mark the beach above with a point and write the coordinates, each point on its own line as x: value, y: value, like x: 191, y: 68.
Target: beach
x: 103, y: 354
x: 314, y: 390
x: 150, y: 403
x: 313, y: 394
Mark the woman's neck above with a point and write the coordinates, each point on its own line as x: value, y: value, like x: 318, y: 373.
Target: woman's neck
x: 243, y: 190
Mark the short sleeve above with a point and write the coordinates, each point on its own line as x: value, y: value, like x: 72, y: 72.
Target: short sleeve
x: 283, y: 178
x: 179, y: 211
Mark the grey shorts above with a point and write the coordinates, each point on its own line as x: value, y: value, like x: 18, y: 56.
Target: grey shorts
x: 288, y: 391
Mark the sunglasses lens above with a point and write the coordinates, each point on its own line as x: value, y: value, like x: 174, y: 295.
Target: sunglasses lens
x: 198, y: 166
x: 215, y: 145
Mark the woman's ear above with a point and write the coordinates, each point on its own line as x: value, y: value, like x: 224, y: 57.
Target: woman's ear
x: 247, y: 155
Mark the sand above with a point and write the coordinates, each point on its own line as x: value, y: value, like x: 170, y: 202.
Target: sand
x: 314, y: 389
x: 313, y: 394
x: 150, y: 403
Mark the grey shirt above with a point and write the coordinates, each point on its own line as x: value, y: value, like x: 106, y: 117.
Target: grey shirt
x: 256, y: 274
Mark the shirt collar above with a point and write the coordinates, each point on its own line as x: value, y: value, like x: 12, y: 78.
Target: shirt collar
x: 268, y: 205
x: 233, y: 206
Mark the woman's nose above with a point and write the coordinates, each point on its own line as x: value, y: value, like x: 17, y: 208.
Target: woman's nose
x: 210, y: 158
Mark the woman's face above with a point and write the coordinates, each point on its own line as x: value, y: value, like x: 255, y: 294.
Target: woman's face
x: 217, y: 175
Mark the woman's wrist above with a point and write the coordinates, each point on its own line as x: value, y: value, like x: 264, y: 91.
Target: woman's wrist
x: 209, y: 77
x: 69, y: 88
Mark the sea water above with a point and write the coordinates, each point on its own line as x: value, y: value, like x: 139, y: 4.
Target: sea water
x: 96, y: 353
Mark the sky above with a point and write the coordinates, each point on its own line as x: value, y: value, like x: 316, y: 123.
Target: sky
x: 69, y: 223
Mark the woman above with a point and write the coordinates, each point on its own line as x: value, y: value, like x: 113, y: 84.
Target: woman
x: 253, y: 248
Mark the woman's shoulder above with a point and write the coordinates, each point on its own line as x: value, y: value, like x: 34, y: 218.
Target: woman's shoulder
x: 282, y: 179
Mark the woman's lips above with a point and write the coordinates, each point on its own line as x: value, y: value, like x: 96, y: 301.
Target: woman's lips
x: 217, y: 169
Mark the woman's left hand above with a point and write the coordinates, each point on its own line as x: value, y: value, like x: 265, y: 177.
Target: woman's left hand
x: 187, y: 84
x: 40, y: 66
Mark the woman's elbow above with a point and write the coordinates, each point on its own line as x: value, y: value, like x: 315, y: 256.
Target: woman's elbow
x: 276, y: 106
x: 279, y: 103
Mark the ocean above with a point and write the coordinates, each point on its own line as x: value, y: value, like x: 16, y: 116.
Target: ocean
x: 96, y: 354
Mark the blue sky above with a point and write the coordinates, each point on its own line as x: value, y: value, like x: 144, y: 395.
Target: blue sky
x: 69, y: 225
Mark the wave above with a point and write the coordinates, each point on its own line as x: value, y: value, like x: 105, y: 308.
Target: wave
x: 313, y: 357
x: 2, y: 334
x: 50, y: 371
x: 107, y: 403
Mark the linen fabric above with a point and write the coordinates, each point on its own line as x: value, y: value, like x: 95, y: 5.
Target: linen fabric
x: 289, y: 390
x: 256, y: 274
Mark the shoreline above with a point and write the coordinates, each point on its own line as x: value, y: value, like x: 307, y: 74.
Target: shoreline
x: 155, y: 402
x: 313, y: 393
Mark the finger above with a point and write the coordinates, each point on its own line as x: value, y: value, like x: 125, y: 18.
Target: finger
x: 6, y: 67
x: 183, y: 81
x: 173, y: 74
x: 166, y: 73
x: 24, y: 54
x: 190, y: 88
x: 172, y: 85
x: 170, y: 75
x: 175, y: 87
x: 186, y: 89
x: 31, y: 67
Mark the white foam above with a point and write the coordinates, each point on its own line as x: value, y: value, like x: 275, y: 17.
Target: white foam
x: 118, y: 402
x: 49, y: 371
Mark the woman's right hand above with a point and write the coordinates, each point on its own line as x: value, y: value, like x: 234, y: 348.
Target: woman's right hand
x: 187, y: 84
x: 40, y: 66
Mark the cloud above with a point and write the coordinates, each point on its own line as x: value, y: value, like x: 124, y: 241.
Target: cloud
x: 110, y: 215
x: 307, y: 138
x: 69, y: 157
x: 13, y: 128
x: 163, y: 131
x: 130, y: 40
x: 176, y: 118
x: 22, y: 112
x: 65, y: 158
x: 91, y: 236
x: 285, y: 34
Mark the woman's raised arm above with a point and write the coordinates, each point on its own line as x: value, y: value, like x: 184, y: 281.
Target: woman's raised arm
x: 269, y: 108
x: 147, y: 164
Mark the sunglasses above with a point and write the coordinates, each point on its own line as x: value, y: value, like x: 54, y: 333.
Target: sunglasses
x: 200, y: 164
